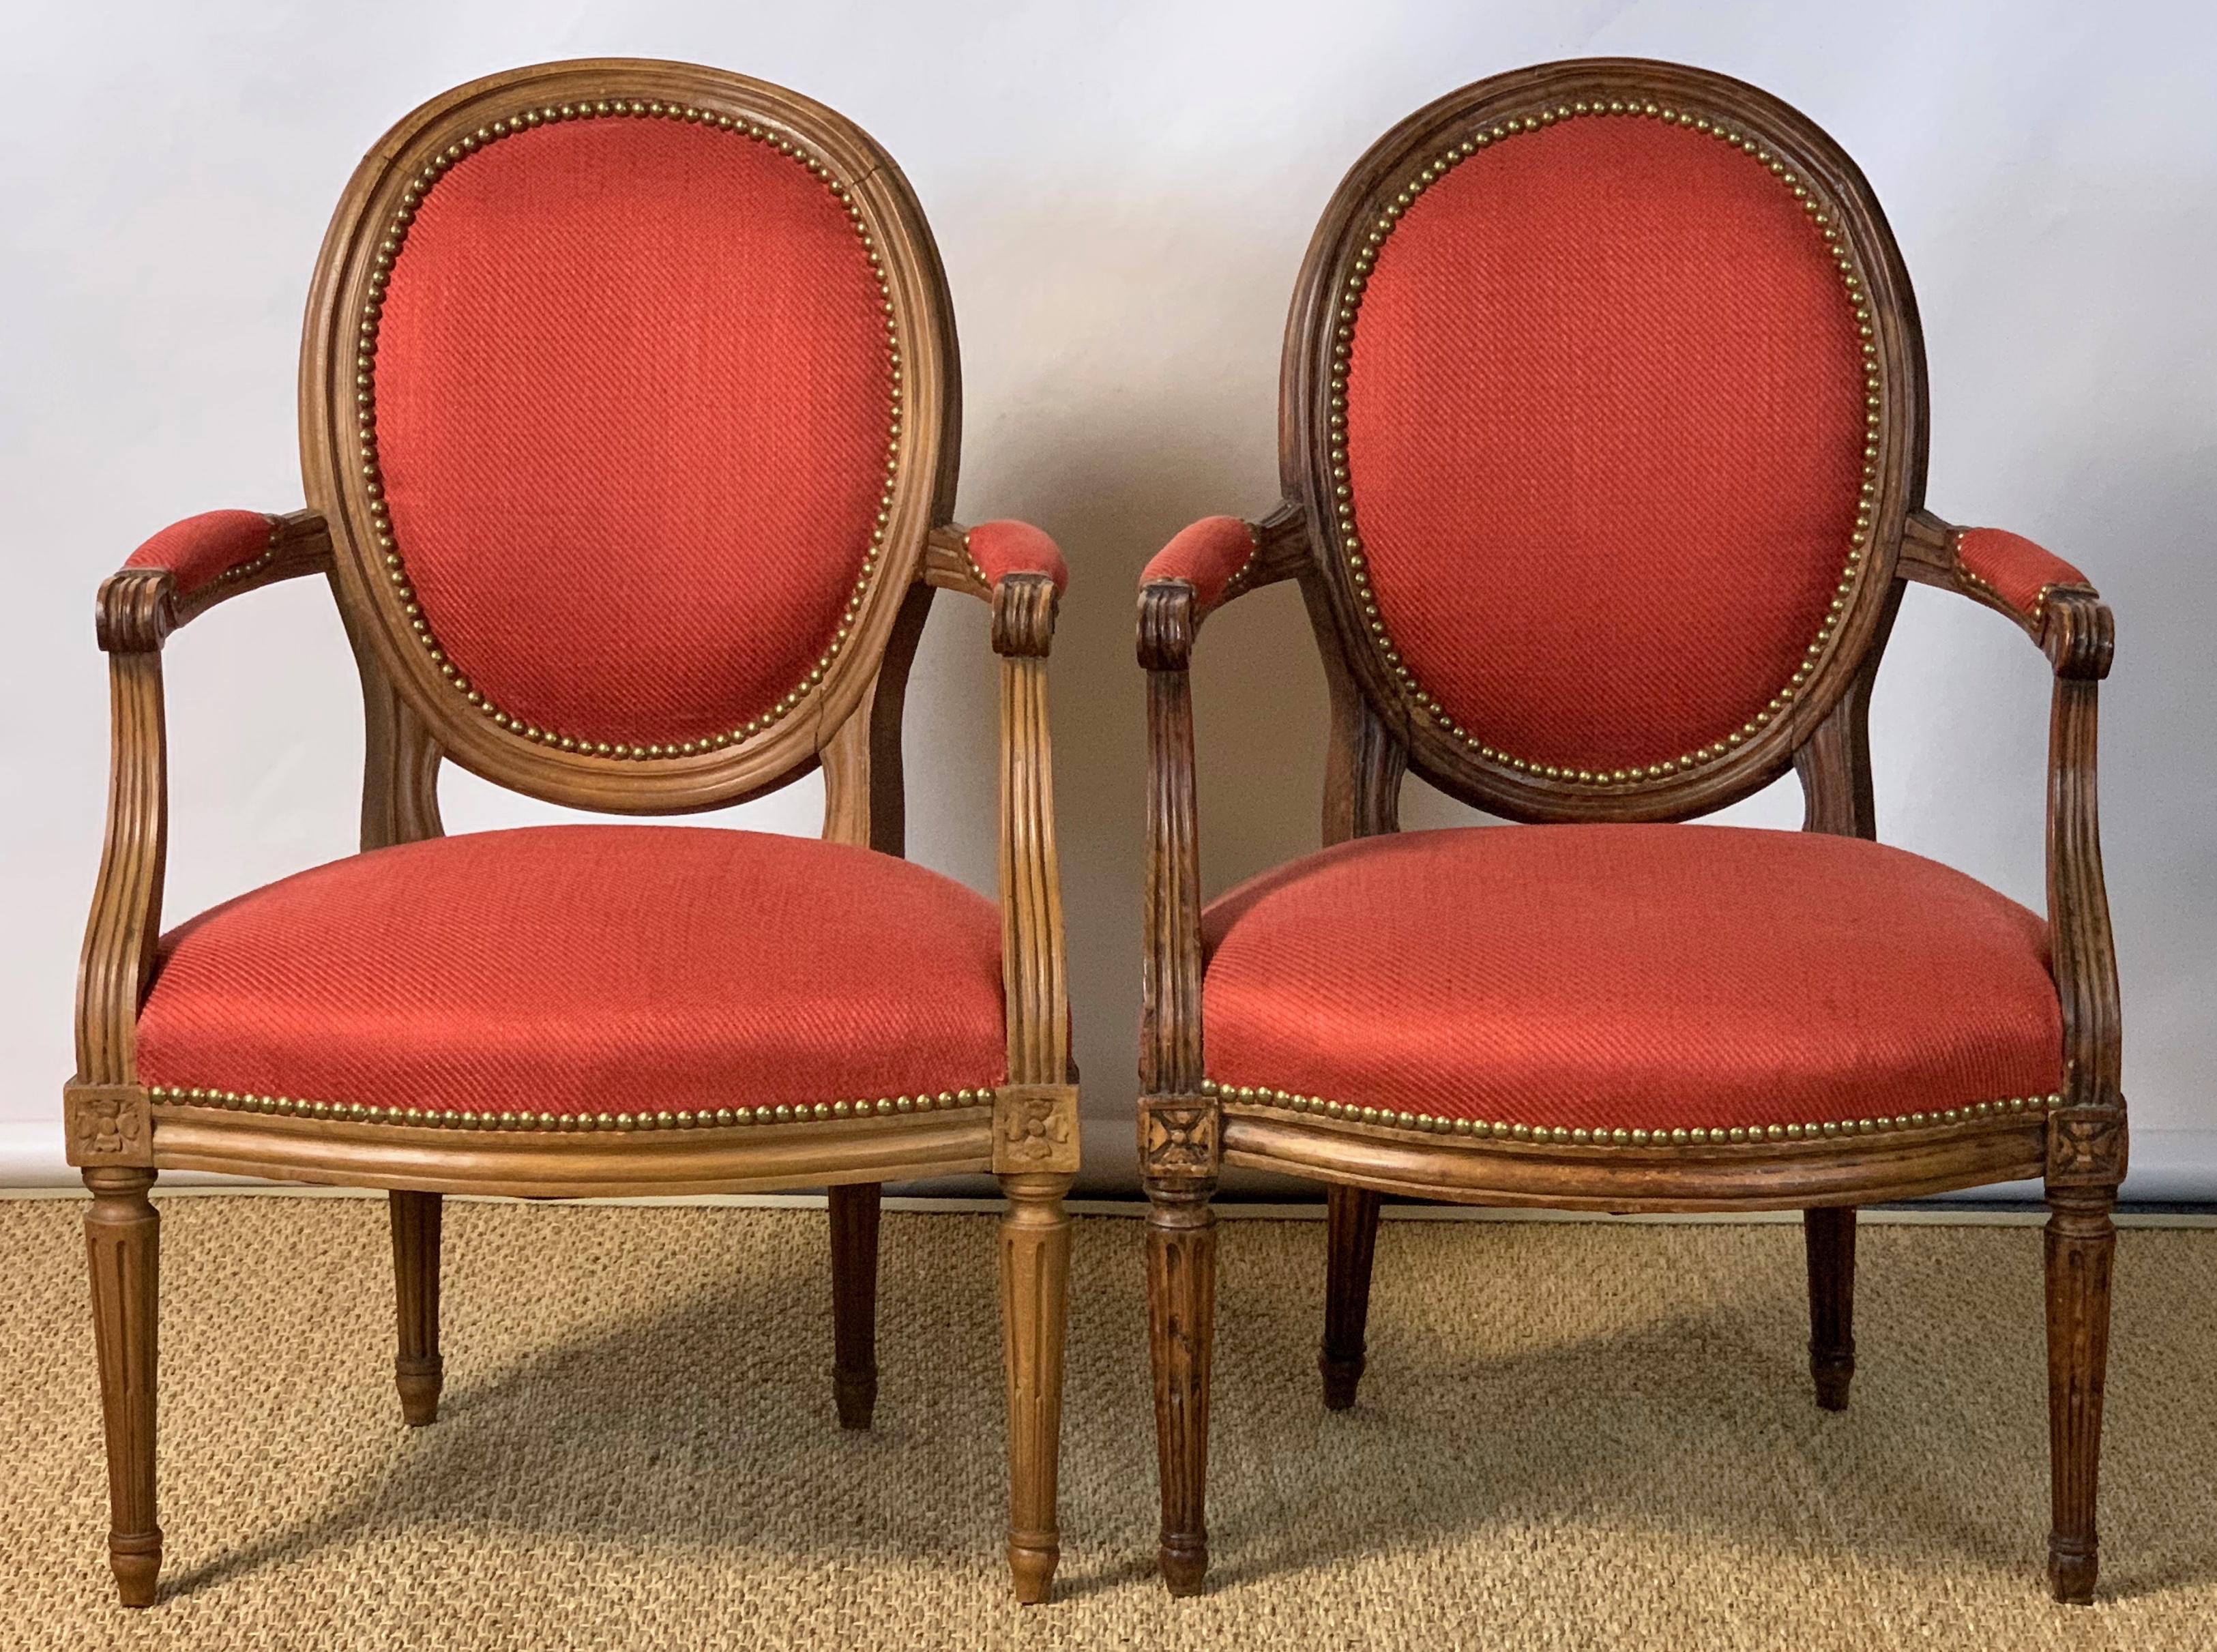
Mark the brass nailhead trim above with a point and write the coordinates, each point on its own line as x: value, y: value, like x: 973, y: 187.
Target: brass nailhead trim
x: 1246, y: 570
x: 388, y: 251
x: 1350, y: 538
x: 1698, y: 1136
x: 2039, y: 603
x: 448, y: 1118
x: 246, y: 570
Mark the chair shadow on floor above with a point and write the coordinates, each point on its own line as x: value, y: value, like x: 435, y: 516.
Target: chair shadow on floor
x: 706, y: 1421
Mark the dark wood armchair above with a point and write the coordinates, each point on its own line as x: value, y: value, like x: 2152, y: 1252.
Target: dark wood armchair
x: 1602, y: 437
x: 630, y: 414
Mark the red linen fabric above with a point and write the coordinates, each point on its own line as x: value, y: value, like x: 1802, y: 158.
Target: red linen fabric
x: 2014, y: 569
x: 633, y: 402
x: 202, y: 549
x: 1605, y: 432
x: 1629, y: 976
x: 1002, y: 548
x: 1205, y: 554
x: 582, y: 969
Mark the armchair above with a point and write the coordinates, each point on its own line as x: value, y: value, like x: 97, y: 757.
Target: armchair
x: 630, y: 420
x: 1602, y: 441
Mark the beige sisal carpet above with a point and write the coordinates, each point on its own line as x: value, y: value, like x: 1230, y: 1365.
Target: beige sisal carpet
x: 1573, y: 1436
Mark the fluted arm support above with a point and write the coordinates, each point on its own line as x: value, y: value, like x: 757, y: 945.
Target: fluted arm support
x: 1034, y: 967
x: 1202, y: 568
x: 1170, y: 1024
x: 2055, y: 606
x: 174, y: 577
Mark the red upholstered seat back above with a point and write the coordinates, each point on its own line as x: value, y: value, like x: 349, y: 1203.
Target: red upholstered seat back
x: 1605, y: 440
x: 634, y: 399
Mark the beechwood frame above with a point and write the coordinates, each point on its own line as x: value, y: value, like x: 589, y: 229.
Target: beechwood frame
x: 1188, y: 1128
x: 121, y: 1135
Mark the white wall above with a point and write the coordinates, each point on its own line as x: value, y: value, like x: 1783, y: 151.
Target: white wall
x: 1122, y: 193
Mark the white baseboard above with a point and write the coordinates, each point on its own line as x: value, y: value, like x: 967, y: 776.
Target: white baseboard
x: 2168, y: 1167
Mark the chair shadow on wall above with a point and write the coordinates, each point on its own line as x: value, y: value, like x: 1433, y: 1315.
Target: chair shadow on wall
x: 706, y: 1422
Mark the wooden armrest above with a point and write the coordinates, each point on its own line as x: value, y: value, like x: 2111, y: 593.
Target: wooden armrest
x: 1213, y: 561
x: 190, y: 566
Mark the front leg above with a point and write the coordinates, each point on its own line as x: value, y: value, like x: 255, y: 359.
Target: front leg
x: 1034, y: 1311
x: 1181, y: 1336
x: 122, y: 1236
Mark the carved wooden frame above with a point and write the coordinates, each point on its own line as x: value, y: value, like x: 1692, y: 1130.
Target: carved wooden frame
x: 1188, y: 1130
x: 414, y: 722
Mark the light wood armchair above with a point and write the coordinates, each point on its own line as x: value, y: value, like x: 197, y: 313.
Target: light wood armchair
x: 630, y: 413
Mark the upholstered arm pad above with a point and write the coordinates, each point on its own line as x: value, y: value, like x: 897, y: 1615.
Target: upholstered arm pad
x: 999, y: 549
x: 190, y: 566
x: 2013, y: 569
x: 1208, y: 556
x: 213, y: 546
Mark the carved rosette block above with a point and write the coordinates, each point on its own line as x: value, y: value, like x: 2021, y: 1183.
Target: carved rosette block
x: 1035, y: 1129
x: 107, y: 1125
x: 1179, y: 1136
x: 2086, y: 1146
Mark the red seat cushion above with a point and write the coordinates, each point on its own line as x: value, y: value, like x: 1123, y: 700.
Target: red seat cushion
x: 587, y: 969
x: 1630, y: 977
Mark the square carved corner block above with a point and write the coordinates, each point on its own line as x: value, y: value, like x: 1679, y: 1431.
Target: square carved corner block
x: 1035, y: 1129
x: 107, y: 1125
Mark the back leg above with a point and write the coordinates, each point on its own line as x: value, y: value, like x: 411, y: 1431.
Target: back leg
x: 418, y: 1371
x: 1351, y: 1226
x: 854, y: 1302
x: 1829, y: 1234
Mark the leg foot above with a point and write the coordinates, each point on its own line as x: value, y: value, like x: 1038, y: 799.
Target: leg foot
x: 1034, y: 1309
x: 854, y: 1302
x: 122, y: 1236
x: 1828, y: 1236
x: 417, y: 1370
x: 2081, y: 1241
x: 1181, y: 1329
x: 1352, y: 1227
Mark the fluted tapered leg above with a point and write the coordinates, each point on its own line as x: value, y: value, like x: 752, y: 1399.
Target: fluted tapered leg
x: 122, y: 1239
x: 854, y: 1302
x: 1828, y: 1236
x: 1352, y: 1237
x: 1181, y: 1332
x: 418, y: 1371
x: 1034, y: 1308
x: 2081, y: 1241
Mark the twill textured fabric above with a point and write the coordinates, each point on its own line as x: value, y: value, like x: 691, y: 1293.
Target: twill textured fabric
x: 579, y: 968
x: 200, y: 550
x: 1207, y: 554
x: 1605, y: 432
x: 1005, y: 547
x: 1632, y: 976
x: 2015, y: 569
x: 633, y: 402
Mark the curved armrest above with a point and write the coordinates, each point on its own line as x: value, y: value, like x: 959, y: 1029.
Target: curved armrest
x: 998, y: 549
x: 1211, y: 562
x: 977, y: 559
x: 168, y: 581
x: 2048, y: 598
x: 1214, y: 556
x: 2055, y: 606
x: 2012, y: 568
x: 190, y: 566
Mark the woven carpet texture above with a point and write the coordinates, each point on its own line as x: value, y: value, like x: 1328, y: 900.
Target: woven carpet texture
x: 1572, y: 1435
